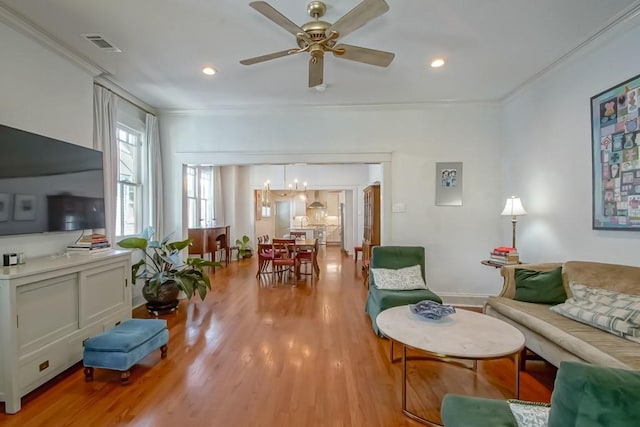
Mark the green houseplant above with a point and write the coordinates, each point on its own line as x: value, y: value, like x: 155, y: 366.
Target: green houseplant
x: 244, y: 247
x: 165, y: 272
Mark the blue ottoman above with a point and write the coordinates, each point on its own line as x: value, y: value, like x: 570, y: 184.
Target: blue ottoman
x: 125, y: 345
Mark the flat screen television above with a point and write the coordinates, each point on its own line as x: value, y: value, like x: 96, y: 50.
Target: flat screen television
x: 48, y: 185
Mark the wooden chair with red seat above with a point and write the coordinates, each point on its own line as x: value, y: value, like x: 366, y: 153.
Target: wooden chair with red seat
x: 309, y: 257
x: 356, y: 249
x: 285, y: 257
x: 265, y: 258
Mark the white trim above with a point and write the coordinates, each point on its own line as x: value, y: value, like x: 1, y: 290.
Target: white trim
x: 623, y: 17
x: 33, y: 31
x: 114, y: 87
x: 241, y: 158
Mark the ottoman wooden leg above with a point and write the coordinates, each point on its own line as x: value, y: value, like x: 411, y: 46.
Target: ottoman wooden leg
x: 124, y: 377
x: 163, y: 351
x: 88, y: 374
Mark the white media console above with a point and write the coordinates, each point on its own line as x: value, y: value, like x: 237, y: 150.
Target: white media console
x: 49, y: 307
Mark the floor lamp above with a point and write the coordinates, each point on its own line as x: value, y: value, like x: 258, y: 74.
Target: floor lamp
x: 514, y: 209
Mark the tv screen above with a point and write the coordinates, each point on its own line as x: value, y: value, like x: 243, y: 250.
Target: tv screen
x: 48, y: 185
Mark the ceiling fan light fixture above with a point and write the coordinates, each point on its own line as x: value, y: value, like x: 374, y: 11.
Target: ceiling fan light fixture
x: 209, y: 71
x: 437, y: 63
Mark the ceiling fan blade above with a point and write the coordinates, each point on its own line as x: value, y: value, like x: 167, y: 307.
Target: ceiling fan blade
x: 358, y: 16
x: 362, y: 54
x: 268, y: 57
x: 268, y: 11
x: 316, y: 71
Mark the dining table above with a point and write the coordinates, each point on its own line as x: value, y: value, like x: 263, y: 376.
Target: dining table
x: 300, y: 244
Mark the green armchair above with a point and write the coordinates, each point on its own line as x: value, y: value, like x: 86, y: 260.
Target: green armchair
x: 583, y: 396
x: 395, y: 257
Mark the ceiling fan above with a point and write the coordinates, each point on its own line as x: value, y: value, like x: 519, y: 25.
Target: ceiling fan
x: 318, y: 37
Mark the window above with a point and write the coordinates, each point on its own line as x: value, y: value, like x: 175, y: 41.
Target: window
x: 129, y: 191
x: 200, y: 212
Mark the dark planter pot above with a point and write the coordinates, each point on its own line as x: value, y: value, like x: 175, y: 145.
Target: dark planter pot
x: 247, y: 254
x: 164, y: 301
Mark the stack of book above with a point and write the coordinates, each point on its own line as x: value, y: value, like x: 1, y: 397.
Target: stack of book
x: 504, y: 255
x: 90, y: 244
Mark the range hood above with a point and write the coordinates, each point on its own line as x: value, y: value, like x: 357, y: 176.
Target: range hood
x: 316, y: 204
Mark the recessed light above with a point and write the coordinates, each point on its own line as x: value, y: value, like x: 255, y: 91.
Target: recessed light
x: 437, y: 63
x: 209, y: 71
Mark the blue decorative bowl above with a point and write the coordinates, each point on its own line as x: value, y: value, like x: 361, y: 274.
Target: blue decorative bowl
x: 431, y: 309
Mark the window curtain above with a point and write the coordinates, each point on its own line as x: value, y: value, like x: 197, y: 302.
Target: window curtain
x: 104, y: 139
x: 218, y: 204
x: 154, y: 176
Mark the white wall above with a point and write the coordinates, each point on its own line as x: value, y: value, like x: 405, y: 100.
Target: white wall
x: 547, y: 149
x: 406, y: 141
x: 42, y: 92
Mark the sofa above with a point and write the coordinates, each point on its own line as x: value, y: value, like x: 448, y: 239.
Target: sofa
x: 583, y: 396
x: 556, y: 338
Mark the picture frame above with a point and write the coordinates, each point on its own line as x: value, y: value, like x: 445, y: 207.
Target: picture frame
x: 449, y: 184
x: 24, y: 207
x: 4, y: 206
x: 615, y: 153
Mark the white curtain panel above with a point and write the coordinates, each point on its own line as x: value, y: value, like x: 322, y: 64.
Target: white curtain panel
x: 218, y: 203
x: 104, y: 139
x: 154, y: 178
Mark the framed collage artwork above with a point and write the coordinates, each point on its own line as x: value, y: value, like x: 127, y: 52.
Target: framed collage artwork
x: 615, y: 145
x: 449, y: 184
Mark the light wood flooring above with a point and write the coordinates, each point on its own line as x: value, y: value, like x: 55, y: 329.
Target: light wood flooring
x: 259, y: 353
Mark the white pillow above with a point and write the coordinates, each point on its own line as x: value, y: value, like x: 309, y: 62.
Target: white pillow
x: 402, y: 279
x: 623, y: 306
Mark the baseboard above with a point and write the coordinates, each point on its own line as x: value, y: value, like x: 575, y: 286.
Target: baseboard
x: 463, y: 300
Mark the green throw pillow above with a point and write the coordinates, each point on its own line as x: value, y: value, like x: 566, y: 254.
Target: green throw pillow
x: 543, y: 287
x: 595, y: 396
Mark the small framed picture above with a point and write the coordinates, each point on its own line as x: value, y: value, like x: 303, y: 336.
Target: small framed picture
x: 24, y: 207
x: 4, y: 207
x: 449, y: 184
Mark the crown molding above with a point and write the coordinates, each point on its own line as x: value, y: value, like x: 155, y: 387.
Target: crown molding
x: 33, y: 31
x: 615, y: 23
x: 270, y: 108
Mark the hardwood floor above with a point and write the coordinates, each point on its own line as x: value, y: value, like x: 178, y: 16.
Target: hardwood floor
x: 258, y: 353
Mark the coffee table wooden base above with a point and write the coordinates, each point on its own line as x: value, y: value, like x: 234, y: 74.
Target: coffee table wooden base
x: 446, y: 359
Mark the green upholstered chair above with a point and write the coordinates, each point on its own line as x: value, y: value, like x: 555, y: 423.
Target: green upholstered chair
x: 394, y: 257
x: 583, y: 396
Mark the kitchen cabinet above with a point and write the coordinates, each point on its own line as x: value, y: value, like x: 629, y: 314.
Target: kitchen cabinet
x: 299, y: 206
x: 333, y: 203
x: 49, y: 307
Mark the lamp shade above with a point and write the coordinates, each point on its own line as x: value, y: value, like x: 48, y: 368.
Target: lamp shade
x: 513, y: 207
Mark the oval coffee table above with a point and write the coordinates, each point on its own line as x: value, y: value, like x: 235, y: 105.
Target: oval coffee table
x: 462, y: 335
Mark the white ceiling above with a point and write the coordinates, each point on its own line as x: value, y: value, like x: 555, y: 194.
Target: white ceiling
x: 492, y: 48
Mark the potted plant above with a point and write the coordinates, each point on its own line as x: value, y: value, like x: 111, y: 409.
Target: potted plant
x: 244, y: 247
x: 165, y: 272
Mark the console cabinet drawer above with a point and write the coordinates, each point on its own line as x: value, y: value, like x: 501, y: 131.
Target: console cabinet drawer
x: 41, y: 367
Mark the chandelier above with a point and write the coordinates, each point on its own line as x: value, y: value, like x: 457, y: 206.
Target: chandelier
x: 292, y: 189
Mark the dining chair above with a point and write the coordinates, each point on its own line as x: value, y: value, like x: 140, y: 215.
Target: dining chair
x: 284, y: 257
x: 309, y: 257
x: 265, y: 258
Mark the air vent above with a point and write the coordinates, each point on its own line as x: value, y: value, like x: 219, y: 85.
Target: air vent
x: 101, y: 43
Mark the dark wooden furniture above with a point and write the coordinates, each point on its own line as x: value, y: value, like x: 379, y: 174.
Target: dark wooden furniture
x: 371, y: 235
x: 211, y: 241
